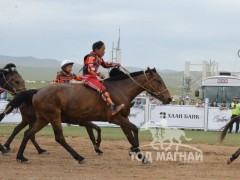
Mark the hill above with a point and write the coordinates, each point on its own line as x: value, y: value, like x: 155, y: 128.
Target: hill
x: 35, y: 69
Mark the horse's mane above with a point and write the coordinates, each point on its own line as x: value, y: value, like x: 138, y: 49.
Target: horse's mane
x: 9, y: 66
x: 7, y: 69
x: 123, y: 76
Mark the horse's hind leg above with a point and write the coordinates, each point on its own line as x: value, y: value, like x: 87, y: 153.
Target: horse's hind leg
x: 16, y: 130
x: 131, y: 132
x: 234, y: 156
x: 57, y: 128
x: 40, y: 123
x: 98, y: 129
x: 89, y: 127
x: 38, y: 148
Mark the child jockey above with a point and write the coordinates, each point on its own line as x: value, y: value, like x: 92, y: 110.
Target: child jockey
x: 65, y: 76
x: 92, y: 62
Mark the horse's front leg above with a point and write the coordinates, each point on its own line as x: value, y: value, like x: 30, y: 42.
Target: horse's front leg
x: 234, y: 156
x: 131, y: 132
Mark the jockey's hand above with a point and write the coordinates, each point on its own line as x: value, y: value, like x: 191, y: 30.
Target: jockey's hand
x: 117, y: 65
x: 101, y: 75
x: 79, y: 78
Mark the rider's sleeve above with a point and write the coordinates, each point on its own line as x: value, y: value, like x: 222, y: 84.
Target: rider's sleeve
x: 78, y: 78
x: 105, y: 64
x: 91, y: 68
x: 58, y: 77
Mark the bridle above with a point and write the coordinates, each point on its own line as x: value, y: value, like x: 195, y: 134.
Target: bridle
x: 155, y: 91
x: 7, y: 83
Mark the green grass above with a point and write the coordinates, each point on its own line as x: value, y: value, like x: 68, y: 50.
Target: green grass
x: 117, y: 134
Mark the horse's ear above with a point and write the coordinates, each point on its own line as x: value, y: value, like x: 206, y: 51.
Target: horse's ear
x: 154, y: 70
x: 150, y: 71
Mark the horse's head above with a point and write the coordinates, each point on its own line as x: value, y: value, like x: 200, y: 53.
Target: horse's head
x: 11, y: 80
x: 157, y: 86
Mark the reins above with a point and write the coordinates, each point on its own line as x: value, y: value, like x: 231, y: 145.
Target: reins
x: 157, y: 93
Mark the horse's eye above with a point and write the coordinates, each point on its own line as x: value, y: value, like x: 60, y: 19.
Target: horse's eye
x: 17, y: 82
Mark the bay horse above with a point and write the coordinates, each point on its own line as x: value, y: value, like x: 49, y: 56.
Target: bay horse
x: 12, y: 81
x: 223, y: 135
x: 79, y: 103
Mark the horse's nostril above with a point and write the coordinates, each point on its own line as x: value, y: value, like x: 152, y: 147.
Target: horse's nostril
x: 169, y: 99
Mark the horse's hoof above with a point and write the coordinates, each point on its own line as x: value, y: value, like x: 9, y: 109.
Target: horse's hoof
x: 43, y: 151
x: 229, y: 161
x: 7, y: 148
x: 4, y: 152
x: 83, y: 161
x: 22, y: 159
x: 99, y: 153
x: 145, y: 160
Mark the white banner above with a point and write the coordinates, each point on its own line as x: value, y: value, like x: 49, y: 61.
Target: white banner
x: 136, y: 117
x: 218, y: 118
x: 177, y: 116
x: 14, y: 117
x: 188, y: 117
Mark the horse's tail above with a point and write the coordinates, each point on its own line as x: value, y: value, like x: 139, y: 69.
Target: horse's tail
x: 226, y: 127
x: 18, y: 100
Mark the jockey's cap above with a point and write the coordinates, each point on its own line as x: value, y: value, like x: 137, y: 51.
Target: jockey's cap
x: 65, y: 63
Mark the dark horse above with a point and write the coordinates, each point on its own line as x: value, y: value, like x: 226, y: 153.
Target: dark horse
x: 13, y: 82
x: 76, y: 102
x: 224, y: 132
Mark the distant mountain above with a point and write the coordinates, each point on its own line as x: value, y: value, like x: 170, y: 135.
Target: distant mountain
x: 167, y: 71
x: 132, y: 69
x: 29, y: 61
x: 32, y: 68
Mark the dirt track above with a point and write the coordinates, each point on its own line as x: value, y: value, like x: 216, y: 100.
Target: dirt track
x: 113, y: 164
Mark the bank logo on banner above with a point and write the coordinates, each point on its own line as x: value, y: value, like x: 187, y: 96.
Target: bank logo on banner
x: 163, y: 115
x: 167, y: 145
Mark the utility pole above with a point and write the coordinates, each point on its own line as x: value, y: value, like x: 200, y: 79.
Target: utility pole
x: 208, y: 69
x: 117, y: 52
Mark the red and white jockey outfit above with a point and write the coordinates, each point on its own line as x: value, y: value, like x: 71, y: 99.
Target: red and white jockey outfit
x: 90, y: 72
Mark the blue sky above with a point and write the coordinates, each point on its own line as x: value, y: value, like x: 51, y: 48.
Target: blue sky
x: 156, y: 33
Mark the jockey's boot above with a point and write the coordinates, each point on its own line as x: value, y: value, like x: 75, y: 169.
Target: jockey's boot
x: 116, y: 108
x: 113, y: 107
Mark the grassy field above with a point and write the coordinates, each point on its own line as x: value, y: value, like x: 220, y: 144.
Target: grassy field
x: 117, y: 134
